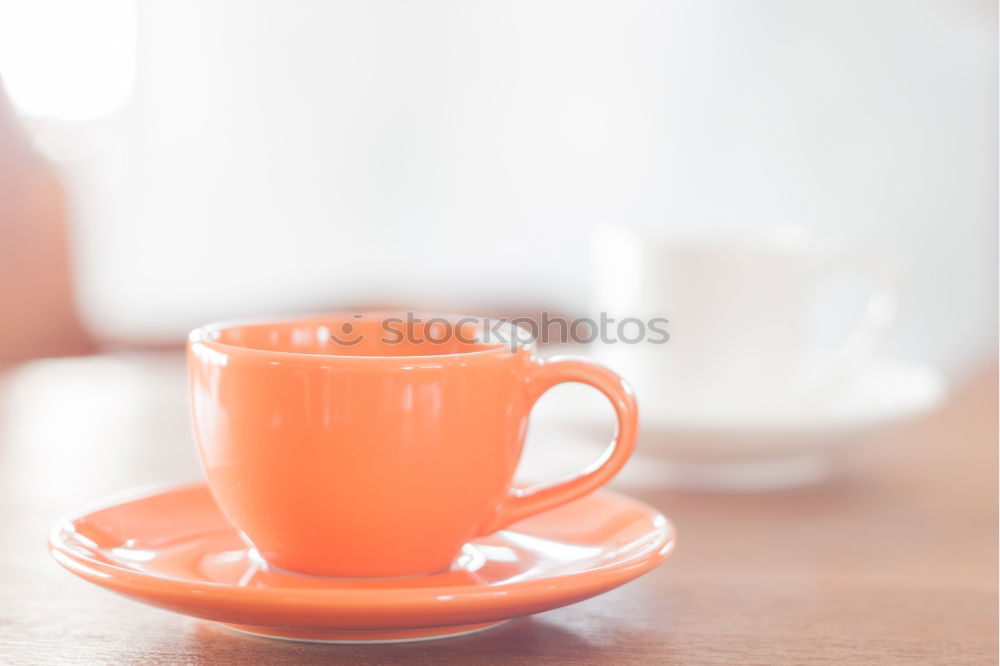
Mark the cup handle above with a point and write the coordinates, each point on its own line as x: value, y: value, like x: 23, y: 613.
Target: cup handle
x: 878, y: 315
x: 521, y: 503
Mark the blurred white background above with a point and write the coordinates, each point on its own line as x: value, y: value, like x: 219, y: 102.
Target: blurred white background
x: 229, y: 157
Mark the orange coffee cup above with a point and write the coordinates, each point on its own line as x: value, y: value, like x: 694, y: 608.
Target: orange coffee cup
x: 376, y: 445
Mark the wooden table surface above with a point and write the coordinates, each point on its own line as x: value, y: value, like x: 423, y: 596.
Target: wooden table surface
x: 894, y: 561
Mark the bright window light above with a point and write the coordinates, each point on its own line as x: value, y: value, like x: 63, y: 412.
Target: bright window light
x: 66, y: 59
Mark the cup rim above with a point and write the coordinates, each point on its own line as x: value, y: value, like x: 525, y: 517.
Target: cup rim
x: 205, y: 335
x: 788, y: 237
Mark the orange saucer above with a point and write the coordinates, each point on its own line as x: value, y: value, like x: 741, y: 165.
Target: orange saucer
x: 174, y: 549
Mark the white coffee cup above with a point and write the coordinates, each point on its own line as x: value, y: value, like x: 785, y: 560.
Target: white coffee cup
x: 737, y: 306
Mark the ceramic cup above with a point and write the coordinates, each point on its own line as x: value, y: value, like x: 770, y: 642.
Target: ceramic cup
x: 354, y: 445
x: 741, y: 306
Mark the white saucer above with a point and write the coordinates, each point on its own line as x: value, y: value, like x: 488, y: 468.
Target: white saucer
x: 698, y: 450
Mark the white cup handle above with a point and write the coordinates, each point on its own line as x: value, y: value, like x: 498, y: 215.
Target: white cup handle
x: 875, y: 321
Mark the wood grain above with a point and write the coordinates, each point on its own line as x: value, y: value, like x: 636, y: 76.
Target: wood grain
x: 892, y: 562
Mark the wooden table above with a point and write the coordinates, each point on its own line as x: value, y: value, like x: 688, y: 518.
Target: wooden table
x: 892, y: 562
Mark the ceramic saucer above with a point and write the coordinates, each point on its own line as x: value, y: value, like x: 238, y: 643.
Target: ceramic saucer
x: 712, y: 449
x: 174, y: 549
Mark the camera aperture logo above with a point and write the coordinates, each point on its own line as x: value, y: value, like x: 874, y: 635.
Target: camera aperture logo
x: 415, y: 329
